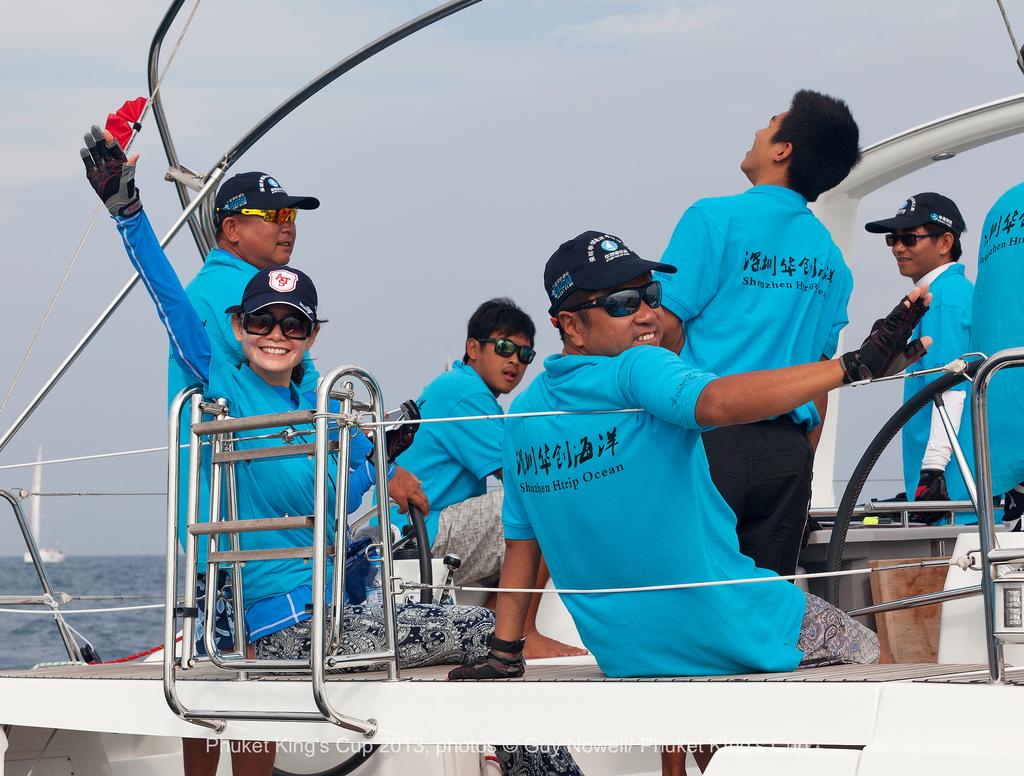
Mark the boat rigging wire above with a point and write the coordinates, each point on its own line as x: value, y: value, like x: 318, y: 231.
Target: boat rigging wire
x: 92, y: 221
x: 1009, y: 31
x: 94, y: 457
x: 964, y: 562
x: 26, y: 493
x: 105, y: 610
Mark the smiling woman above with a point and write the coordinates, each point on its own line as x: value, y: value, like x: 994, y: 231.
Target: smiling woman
x: 276, y: 331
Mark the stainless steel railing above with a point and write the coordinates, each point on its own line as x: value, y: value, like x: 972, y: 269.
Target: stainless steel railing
x: 1009, y: 358
x: 326, y: 631
x: 44, y: 580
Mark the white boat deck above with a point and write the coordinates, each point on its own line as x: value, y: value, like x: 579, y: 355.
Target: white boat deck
x: 548, y: 671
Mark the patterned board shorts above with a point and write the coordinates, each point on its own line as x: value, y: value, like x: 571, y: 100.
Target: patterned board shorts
x: 428, y: 634
x: 829, y: 636
x: 224, y: 628
x: 472, y: 530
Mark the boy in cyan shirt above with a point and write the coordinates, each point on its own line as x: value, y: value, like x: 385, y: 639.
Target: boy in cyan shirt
x: 454, y: 459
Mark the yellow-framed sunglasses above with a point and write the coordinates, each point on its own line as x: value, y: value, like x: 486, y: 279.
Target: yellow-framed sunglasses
x: 281, y: 215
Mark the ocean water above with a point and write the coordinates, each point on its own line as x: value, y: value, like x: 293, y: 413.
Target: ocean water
x: 29, y: 639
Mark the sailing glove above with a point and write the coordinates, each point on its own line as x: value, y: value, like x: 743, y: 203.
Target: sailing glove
x: 110, y: 175
x: 931, y: 487
x: 398, y: 440
x: 1013, y: 508
x: 886, y: 350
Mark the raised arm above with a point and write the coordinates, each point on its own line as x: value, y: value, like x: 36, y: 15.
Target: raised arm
x: 112, y: 176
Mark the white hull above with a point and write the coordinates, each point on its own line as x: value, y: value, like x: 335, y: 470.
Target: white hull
x: 879, y: 726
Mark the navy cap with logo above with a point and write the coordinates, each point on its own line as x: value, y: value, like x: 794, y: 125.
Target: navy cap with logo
x: 256, y: 190
x: 278, y: 285
x: 592, y: 261
x: 921, y: 209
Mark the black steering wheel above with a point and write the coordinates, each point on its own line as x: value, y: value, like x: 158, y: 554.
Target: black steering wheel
x: 837, y: 543
x: 419, y: 534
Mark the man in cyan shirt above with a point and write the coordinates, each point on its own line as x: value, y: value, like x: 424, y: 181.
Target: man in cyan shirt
x: 761, y: 285
x: 454, y: 459
x: 998, y: 323
x: 925, y: 239
x: 617, y: 498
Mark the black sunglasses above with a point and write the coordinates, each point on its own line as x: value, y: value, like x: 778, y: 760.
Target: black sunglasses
x: 626, y: 301
x: 293, y: 327
x: 909, y: 240
x: 507, y: 348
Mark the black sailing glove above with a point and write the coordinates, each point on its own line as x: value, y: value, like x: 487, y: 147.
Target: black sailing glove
x: 397, y: 440
x: 1013, y: 509
x: 931, y: 487
x: 110, y: 175
x: 886, y: 350
x: 493, y: 665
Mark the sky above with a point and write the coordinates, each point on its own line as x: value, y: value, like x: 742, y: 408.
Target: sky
x: 449, y: 168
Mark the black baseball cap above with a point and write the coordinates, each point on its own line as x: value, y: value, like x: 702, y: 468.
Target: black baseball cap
x: 592, y: 261
x: 921, y: 209
x: 279, y: 285
x: 256, y: 190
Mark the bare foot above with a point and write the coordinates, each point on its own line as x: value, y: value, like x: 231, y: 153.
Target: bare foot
x: 538, y: 646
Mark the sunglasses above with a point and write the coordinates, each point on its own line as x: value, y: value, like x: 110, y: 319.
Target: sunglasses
x: 507, y: 348
x: 292, y: 326
x: 909, y: 240
x: 619, y: 304
x: 282, y: 215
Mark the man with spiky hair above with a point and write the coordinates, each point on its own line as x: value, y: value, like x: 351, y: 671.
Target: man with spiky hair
x: 761, y: 285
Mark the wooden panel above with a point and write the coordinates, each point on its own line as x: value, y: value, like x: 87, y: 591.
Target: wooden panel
x: 245, y: 526
x: 912, y: 634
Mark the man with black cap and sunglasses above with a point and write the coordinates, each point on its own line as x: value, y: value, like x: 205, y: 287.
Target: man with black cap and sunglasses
x: 614, y: 489
x: 924, y: 236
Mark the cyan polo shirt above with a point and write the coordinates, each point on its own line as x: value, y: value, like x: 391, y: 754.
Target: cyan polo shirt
x: 760, y: 285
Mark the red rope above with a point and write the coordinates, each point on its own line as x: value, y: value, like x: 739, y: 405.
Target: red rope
x: 136, y: 656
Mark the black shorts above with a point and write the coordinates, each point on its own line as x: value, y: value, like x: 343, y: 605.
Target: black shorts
x: 763, y: 470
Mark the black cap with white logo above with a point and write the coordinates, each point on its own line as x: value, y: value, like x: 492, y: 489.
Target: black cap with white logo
x: 259, y: 191
x: 920, y: 210
x: 278, y: 285
x: 592, y: 261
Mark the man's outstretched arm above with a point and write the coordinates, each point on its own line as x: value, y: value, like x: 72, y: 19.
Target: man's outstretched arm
x: 752, y: 396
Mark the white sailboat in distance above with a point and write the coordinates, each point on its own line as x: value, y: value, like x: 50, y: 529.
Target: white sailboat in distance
x: 46, y: 554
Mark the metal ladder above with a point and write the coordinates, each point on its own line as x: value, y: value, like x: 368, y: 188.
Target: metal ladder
x: 223, y: 456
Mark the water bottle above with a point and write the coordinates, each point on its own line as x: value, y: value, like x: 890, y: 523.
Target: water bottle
x: 374, y: 592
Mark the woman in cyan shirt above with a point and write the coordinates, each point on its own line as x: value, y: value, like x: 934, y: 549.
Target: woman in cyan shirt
x: 275, y: 323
